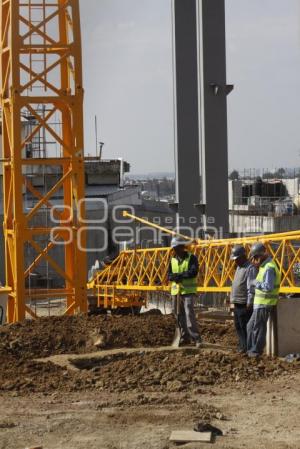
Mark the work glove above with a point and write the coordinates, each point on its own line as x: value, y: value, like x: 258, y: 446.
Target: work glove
x: 172, y: 277
x: 178, y: 278
x: 175, y: 277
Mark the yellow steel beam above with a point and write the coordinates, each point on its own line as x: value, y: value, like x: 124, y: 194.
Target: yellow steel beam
x: 153, y: 225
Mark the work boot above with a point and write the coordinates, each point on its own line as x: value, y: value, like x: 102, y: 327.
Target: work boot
x: 241, y: 351
x: 198, y: 343
x: 184, y: 341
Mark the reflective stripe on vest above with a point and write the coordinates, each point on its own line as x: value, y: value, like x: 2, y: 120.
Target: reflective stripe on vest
x: 187, y: 286
x: 267, y: 298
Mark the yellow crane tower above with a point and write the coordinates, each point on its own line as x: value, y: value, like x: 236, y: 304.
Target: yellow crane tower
x: 41, y: 84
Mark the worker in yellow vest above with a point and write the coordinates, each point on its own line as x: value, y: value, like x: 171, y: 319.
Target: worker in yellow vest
x: 183, y: 272
x: 267, y: 286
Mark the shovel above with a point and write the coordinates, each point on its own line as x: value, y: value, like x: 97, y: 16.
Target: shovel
x: 177, y: 335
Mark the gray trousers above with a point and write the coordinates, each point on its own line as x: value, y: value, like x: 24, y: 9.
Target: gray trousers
x: 187, y: 319
x: 257, y: 329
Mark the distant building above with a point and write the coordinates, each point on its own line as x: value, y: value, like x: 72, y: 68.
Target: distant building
x: 264, y: 205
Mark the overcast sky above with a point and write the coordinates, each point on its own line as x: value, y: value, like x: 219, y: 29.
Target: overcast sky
x: 127, y: 49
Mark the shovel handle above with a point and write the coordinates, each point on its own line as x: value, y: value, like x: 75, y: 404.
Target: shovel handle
x: 178, y: 299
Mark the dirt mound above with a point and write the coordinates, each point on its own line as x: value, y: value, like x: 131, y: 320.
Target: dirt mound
x: 21, y: 344
x: 26, y: 376
x: 218, y: 333
x: 61, y: 335
x: 179, y: 371
x: 141, y: 372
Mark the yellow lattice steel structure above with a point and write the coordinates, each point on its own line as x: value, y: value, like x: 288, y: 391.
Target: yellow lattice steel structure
x: 136, y: 272
x: 41, y: 85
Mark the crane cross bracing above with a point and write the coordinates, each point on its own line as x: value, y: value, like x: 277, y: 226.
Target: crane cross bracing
x: 135, y: 272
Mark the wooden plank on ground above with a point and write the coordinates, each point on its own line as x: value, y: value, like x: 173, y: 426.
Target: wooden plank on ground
x: 187, y: 436
x: 35, y: 447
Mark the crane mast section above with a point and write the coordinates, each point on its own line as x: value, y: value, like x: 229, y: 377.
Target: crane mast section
x: 42, y: 130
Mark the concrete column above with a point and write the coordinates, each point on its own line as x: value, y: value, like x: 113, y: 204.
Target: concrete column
x: 188, y: 184
x: 201, y: 112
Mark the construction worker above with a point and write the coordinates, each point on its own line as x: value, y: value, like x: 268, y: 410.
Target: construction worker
x: 267, y: 285
x: 242, y: 294
x: 183, y: 272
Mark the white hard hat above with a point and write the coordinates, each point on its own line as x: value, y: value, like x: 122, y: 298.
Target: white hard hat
x: 176, y: 241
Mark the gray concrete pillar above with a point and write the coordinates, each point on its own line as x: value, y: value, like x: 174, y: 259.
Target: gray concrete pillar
x: 201, y: 112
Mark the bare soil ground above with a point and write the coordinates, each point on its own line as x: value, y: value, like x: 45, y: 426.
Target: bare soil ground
x: 120, y: 401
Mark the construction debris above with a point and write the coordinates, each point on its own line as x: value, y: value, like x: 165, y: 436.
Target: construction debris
x: 207, y: 427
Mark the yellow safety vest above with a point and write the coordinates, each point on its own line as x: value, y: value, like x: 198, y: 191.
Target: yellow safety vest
x: 186, y: 286
x: 267, y: 298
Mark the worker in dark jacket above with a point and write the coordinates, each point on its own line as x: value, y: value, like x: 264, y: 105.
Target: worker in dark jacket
x: 242, y: 294
x: 183, y: 272
x: 267, y: 285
